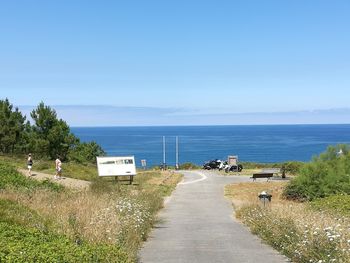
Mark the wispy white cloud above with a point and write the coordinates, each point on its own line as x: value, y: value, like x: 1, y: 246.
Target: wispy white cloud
x: 101, y: 115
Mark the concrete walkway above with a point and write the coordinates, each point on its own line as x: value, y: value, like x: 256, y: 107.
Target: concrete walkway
x: 197, y: 225
x: 65, y: 181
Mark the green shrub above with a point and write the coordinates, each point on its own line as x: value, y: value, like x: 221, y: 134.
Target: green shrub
x: 292, y: 167
x: 326, y: 175
x: 85, y: 152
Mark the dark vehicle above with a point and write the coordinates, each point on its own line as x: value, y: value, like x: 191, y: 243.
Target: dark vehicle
x: 234, y: 168
x: 214, y: 164
x: 222, y: 165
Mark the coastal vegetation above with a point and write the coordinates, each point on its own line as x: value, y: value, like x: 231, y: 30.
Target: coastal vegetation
x: 290, y: 167
x: 307, y: 220
x: 326, y: 175
x: 47, y: 137
x: 303, y: 231
x: 42, y: 221
x: 308, y: 217
x: 45, y: 222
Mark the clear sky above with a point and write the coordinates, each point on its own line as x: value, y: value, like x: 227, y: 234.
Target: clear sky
x: 178, y: 58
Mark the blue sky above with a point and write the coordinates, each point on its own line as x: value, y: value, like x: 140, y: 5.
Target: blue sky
x: 178, y: 62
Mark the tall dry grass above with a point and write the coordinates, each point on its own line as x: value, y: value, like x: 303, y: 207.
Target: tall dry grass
x: 82, y: 215
x: 106, y: 213
x: 303, y: 234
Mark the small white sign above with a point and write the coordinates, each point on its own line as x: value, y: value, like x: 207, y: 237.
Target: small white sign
x: 232, y: 159
x: 116, y: 166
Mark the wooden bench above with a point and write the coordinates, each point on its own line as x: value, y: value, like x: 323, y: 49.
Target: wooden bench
x: 262, y: 175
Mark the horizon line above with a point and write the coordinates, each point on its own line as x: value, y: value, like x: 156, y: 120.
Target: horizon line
x: 210, y: 125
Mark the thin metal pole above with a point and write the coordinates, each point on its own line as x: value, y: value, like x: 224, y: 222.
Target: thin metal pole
x: 177, y: 152
x: 164, y: 152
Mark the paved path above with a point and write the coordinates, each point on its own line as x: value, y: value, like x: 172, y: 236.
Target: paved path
x: 65, y: 181
x: 197, y: 225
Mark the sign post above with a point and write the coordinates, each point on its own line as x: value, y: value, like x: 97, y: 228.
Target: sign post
x: 116, y: 166
x: 143, y: 164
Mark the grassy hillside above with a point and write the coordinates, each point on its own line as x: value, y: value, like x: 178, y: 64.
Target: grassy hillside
x: 45, y: 222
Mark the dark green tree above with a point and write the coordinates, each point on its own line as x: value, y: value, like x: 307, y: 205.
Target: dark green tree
x: 12, y: 127
x: 51, y: 136
x: 85, y: 152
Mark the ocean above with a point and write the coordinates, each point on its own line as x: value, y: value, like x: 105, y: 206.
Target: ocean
x: 197, y: 144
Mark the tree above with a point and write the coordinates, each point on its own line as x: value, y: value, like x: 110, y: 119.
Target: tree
x: 86, y: 152
x: 12, y: 127
x: 51, y: 136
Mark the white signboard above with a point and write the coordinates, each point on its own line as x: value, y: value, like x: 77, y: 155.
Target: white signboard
x: 232, y: 159
x: 116, y: 166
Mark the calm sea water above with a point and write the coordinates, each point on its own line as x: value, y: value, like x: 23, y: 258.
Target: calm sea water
x: 197, y: 144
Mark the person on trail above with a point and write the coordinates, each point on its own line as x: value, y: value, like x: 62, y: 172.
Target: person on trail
x: 58, y: 164
x: 30, y: 164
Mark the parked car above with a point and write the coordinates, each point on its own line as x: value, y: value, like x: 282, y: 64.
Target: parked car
x: 234, y: 168
x: 213, y: 164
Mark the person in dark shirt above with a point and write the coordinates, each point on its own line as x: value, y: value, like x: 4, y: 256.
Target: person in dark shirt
x: 30, y: 164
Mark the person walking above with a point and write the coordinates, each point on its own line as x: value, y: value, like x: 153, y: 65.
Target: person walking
x: 58, y: 164
x: 30, y: 164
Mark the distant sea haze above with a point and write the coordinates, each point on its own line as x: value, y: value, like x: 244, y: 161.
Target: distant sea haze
x: 197, y: 144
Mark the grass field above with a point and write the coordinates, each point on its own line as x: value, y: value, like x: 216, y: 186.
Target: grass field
x: 305, y: 232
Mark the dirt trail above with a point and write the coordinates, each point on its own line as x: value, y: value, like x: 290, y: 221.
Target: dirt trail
x: 65, y: 181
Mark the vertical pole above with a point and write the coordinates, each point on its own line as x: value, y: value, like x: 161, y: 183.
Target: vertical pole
x: 177, y: 153
x: 164, y: 152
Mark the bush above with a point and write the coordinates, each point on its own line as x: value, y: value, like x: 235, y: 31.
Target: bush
x: 292, y: 167
x: 326, y: 175
x: 86, y: 152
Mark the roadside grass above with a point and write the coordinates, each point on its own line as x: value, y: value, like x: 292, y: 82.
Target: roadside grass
x: 27, y: 244
x: 339, y: 204
x: 109, y: 214
x: 14, y: 213
x: 244, y: 172
x: 298, y: 230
